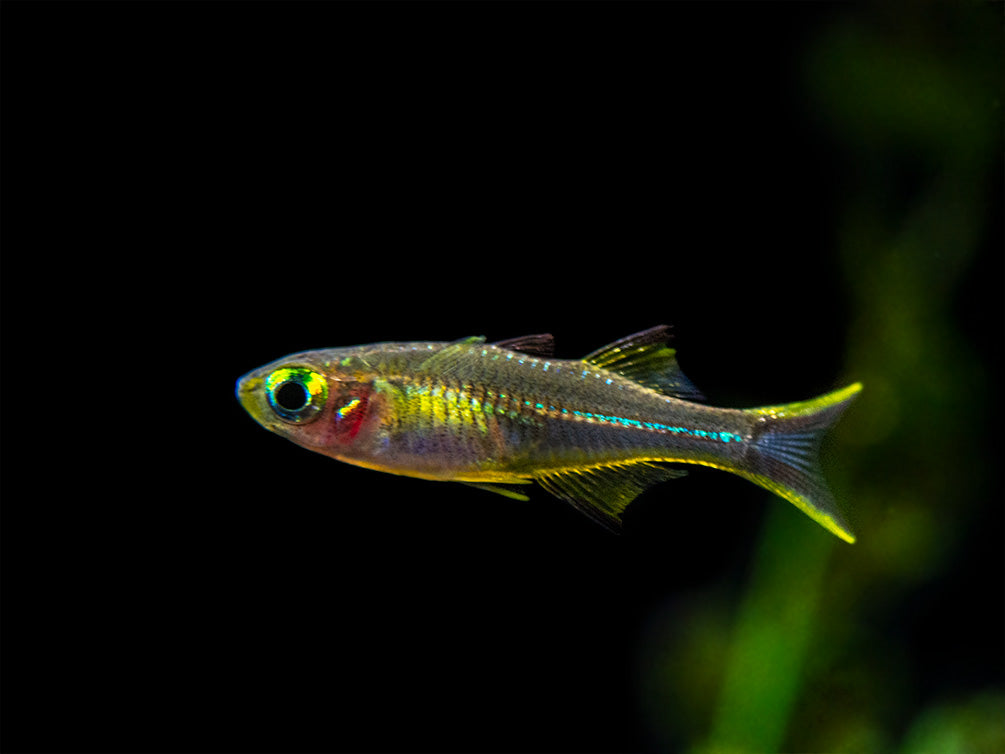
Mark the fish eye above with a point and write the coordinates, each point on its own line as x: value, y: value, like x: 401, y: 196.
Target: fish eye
x: 292, y: 396
x: 296, y: 394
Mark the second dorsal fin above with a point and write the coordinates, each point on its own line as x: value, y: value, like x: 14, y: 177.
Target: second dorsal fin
x: 645, y: 358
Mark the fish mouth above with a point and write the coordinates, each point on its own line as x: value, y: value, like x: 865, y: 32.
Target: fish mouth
x: 248, y: 392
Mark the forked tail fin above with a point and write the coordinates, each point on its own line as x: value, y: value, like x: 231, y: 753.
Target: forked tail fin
x: 784, y: 455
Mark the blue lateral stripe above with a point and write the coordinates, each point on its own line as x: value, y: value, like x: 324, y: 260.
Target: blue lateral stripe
x: 690, y: 432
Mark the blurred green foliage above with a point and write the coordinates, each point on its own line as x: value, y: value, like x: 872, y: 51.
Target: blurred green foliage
x: 810, y: 658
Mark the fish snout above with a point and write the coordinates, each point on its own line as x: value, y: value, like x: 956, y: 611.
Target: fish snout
x: 251, y: 395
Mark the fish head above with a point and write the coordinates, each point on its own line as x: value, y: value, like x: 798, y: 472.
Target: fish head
x: 308, y: 400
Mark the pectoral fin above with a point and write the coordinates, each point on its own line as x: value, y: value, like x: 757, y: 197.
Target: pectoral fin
x: 444, y: 361
x: 448, y: 358
x: 603, y: 492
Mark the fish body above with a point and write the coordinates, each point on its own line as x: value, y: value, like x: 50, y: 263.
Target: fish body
x: 595, y: 431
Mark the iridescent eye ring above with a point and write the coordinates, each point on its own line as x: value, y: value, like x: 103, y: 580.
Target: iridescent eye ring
x: 296, y: 394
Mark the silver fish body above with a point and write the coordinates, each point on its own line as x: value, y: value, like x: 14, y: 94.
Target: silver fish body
x: 595, y: 431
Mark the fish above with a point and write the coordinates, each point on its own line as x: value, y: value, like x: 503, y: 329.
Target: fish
x: 595, y: 432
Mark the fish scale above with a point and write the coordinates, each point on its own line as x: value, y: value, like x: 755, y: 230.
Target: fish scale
x: 573, y: 434
x: 595, y: 431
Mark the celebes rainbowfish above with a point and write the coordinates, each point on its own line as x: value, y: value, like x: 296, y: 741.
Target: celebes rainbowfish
x: 595, y: 432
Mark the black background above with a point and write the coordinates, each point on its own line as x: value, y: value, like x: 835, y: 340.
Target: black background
x: 191, y: 191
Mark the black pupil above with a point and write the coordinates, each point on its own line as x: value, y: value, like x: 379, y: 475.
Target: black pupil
x: 292, y: 396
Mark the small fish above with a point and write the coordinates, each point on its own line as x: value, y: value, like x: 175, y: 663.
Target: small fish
x: 595, y: 432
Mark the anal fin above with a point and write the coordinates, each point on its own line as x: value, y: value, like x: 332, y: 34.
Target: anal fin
x: 603, y: 492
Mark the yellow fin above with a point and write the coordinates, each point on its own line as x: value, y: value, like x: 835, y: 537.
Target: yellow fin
x: 783, y: 456
x: 500, y: 489
x: 603, y: 492
x: 645, y: 358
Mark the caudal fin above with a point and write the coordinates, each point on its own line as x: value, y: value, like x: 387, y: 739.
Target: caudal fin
x: 784, y: 455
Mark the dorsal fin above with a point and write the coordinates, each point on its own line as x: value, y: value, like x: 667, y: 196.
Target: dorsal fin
x: 645, y: 358
x: 537, y: 345
x: 445, y: 361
